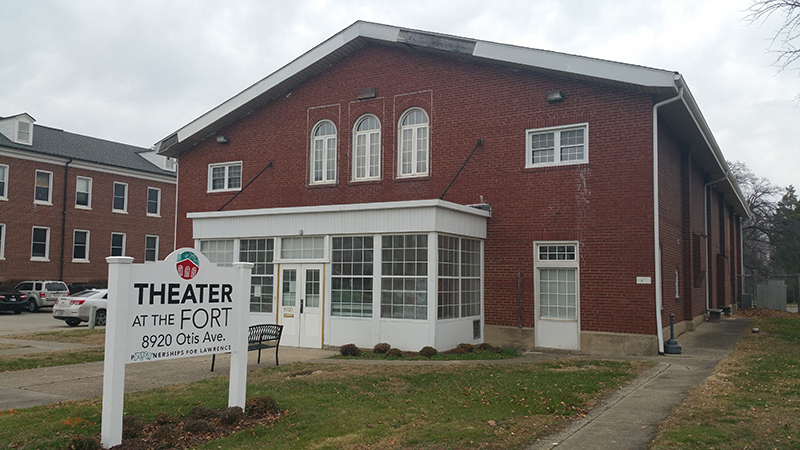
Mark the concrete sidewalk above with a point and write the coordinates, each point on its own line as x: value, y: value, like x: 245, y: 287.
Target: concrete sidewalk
x: 626, y: 420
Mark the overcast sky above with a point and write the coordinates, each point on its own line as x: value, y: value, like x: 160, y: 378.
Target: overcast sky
x: 136, y: 71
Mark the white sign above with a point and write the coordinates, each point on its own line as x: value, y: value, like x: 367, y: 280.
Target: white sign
x: 182, y: 306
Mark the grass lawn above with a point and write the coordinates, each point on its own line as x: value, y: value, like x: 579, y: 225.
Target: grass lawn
x: 26, y: 361
x: 443, y: 406
x: 752, y: 401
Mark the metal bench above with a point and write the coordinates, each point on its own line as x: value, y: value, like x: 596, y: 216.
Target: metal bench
x: 258, y: 337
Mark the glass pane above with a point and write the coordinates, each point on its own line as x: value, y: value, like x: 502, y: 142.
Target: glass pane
x: 312, y: 288
x: 289, y: 287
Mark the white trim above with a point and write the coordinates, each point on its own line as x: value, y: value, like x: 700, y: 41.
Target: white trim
x: 158, y: 203
x: 85, y: 165
x: 324, y: 140
x: 4, y: 191
x: 49, y: 201
x: 88, y: 235
x: 89, y: 198
x: 368, y: 135
x: 46, y: 256
x: 113, y: 197
x: 145, y: 247
x: 2, y: 241
x: 414, y: 150
x: 111, y: 243
x: 226, y: 166
x: 529, y: 164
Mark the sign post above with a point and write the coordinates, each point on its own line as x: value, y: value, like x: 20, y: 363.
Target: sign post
x: 180, y: 307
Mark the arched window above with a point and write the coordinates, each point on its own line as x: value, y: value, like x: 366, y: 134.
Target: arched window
x: 323, y: 153
x: 413, y: 146
x: 367, y: 149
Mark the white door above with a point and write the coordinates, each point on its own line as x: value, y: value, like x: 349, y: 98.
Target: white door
x: 301, y: 305
x: 557, y: 307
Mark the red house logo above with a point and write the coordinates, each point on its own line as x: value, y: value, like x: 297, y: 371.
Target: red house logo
x: 188, y: 265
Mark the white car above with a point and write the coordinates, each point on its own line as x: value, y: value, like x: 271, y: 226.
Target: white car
x: 76, y: 308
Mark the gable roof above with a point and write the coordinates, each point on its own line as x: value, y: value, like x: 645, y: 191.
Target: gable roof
x: 684, y: 116
x: 59, y: 143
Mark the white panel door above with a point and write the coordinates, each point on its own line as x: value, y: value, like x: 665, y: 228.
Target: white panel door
x: 301, y: 304
x: 557, y: 297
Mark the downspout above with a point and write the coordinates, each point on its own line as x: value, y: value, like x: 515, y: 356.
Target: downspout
x: 656, y: 221
x: 741, y: 259
x: 63, y: 220
x: 706, y: 208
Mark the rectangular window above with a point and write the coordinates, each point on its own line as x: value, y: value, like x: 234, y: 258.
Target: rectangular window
x: 120, y: 203
x: 459, y: 277
x: 404, y: 276
x: 153, y: 201
x: 3, y: 182
x: 24, y: 132
x: 2, y: 241
x: 151, y: 248
x: 557, y: 281
x: 40, y: 244
x: 83, y: 192
x: 557, y: 146
x: 117, y: 244
x: 225, y: 176
x: 260, y: 252
x: 312, y: 247
x: 218, y: 251
x: 80, y: 246
x: 351, y: 276
x: 44, y: 187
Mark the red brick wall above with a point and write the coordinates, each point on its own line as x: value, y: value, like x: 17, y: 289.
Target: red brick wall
x: 20, y: 214
x: 606, y: 204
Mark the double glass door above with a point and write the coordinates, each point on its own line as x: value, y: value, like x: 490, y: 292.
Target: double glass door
x: 301, y: 304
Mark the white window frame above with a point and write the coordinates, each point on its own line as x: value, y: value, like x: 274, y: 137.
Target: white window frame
x: 414, y: 151
x: 558, y: 159
x: 46, y: 256
x: 540, y: 264
x: 124, y: 209
x: 226, y: 166
x: 4, y: 182
x: 146, y: 238
x: 158, y: 202
x: 49, y: 200
x: 74, y: 244
x: 367, y: 156
x: 27, y: 133
x: 2, y: 241
x: 325, y: 155
x: 88, y: 193
x: 111, y: 248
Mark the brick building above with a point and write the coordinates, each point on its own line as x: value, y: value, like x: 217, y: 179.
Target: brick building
x: 414, y: 188
x: 68, y: 201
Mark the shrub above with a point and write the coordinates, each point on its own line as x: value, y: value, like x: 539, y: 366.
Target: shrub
x: 231, y: 415
x: 394, y: 353
x: 468, y: 348
x: 202, y: 412
x: 484, y: 347
x: 198, y: 426
x: 261, y: 406
x: 381, y: 348
x: 350, y: 350
x: 165, y: 434
x: 132, y: 427
x: 428, y: 351
x: 163, y: 419
x: 457, y: 351
x: 84, y: 443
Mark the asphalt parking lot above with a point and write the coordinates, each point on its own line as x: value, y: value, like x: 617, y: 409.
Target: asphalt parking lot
x: 28, y: 322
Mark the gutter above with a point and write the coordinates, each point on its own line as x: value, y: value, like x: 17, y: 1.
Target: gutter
x: 656, y: 219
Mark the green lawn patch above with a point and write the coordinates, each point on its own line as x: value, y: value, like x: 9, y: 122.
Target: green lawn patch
x: 364, y: 406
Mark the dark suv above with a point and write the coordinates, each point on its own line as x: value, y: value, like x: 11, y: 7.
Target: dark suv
x: 42, y: 293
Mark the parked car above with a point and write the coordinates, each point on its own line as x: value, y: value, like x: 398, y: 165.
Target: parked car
x: 42, y: 293
x: 12, y: 300
x: 76, y: 308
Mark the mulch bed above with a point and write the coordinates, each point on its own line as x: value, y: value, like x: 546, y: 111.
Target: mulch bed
x: 766, y: 312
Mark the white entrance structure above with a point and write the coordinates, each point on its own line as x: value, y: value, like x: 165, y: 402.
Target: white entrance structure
x: 408, y: 273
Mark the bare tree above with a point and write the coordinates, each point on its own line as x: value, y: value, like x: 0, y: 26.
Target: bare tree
x: 786, y: 35
x: 761, y: 197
